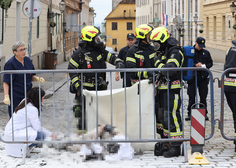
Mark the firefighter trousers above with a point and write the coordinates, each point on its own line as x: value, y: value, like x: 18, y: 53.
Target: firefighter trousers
x: 174, y: 123
x: 231, y: 100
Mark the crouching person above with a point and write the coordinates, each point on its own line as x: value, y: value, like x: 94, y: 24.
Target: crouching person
x: 19, y: 121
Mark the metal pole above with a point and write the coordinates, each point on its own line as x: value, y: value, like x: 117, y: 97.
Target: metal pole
x: 30, y: 25
x: 191, y: 33
x: 51, y: 16
x: 75, y: 34
x: 75, y: 39
x: 188, y: 22
x: 64, y: 41
x: 196, y: 31
x: 71, y: 34
x: 179, y: 35
x: 80, y: 22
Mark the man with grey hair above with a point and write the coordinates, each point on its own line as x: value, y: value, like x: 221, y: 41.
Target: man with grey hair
x: 18, y: 62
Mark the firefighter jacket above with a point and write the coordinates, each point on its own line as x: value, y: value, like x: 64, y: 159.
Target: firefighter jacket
x: 230, y: 62
x: 140, y: 55
x: 204, y: 57
x: 90, y: 58
x: 173, y: 58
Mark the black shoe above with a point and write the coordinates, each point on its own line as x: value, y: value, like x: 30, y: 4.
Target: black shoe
x: 174, y: 151
x: 206, y: 118
x: 160, y: 148
x: 187, y: 118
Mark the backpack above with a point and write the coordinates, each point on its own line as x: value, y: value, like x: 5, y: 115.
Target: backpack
x: 188, y: 52
x: 188, y: 62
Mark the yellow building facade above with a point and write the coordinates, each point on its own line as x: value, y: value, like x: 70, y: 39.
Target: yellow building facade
x: 218, y: 27
x: 119, y: 23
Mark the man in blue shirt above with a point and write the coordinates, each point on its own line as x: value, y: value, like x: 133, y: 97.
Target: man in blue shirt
x: 18, y: 62
x: 122, y: 55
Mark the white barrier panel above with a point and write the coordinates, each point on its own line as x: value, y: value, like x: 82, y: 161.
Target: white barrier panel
x: 118, y: 111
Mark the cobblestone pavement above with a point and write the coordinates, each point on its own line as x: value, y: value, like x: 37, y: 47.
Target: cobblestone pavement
x: 219, y: 152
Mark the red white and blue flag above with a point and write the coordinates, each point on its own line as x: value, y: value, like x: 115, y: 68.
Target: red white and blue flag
x: 164, y: 19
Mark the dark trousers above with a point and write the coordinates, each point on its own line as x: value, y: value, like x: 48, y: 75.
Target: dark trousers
x: 128, y: 81
x: 231, y: 100
x: 202, y: 85
x: 40, y: 137
x: 16, y: 102
x: 162, y: 113
x: 82, y: 127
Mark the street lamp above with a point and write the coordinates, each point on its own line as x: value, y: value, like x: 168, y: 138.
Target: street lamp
x: 195, y: 18
x: 62, y: 6
x: 232, y: 8
x: 178, y: 24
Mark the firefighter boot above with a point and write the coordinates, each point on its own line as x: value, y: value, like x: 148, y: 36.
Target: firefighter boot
x: 77, y: 109
x: 174, y: 151
x: 160, y: 148
x: 80, y: 126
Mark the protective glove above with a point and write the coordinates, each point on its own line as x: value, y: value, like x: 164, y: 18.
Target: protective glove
x: 150, y: 80
x: 41, y: 79
x: 120, y: 65
x: 7, y: 100
x: 78, y: 90
x: 109, y: 129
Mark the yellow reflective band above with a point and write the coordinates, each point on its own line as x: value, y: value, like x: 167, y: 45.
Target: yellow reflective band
x: 177, y: 127
x: 132, y: 83
x: 118, y: 59
x: 131, y: 59
x: 88, y: 84
x: 176, y: 134
x: 82, y: 131
x: 160, y: 65
x: 74, y: 63
x: 145, y: 74
x: 139, y: 73
x: 159, y: 124
x: 163, y: 57
x: 77, y: 85
x: 99, y: 57
x: 166, y: 131
x: 108, y: 57
x: 176, y: 86
x: 156, y: 62
x: 173, y: 60
x: 75, y: 79
x: 138, y: 56
x: 227, y: 52
x: 182, y: 58
x: 152, y: 56
x: 229, y: 83
x: 234, y: 134
x: 87, y: 58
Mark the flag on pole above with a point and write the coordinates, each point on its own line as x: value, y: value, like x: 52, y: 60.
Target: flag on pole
x: 164, y: 19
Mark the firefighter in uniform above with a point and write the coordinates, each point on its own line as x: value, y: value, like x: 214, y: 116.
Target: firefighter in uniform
x: 141, y: 54
x: 230, y: 82
x: 90, y: 55
x: 171, y: 57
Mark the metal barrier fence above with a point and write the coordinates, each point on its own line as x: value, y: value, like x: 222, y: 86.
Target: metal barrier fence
x: 222, y: 121
x: 110, y: 72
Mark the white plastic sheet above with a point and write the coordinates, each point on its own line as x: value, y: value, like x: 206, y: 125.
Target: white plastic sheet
x: 116, y: 116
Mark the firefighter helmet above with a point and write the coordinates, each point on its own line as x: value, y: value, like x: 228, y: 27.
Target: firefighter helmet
x: 142, y: 30
x: 89, y: 32
x: 159, y: 34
